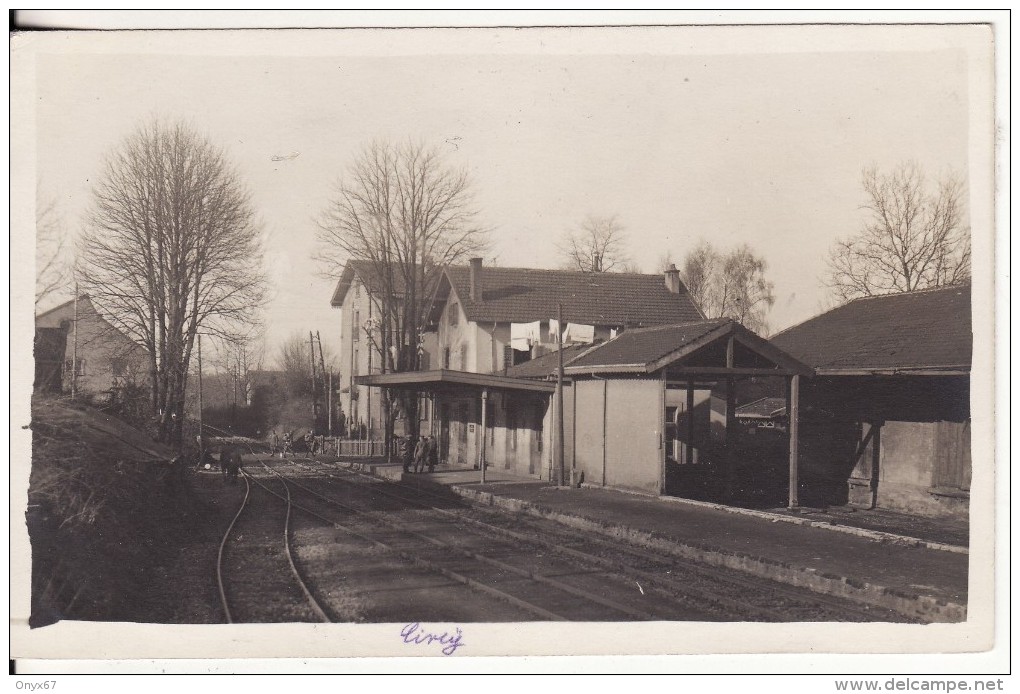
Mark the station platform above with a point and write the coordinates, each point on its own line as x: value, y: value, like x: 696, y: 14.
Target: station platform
x: 918, y: 567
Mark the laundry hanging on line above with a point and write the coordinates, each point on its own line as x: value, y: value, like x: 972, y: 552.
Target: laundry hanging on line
x: 524, y: 335
x: 579, y: 333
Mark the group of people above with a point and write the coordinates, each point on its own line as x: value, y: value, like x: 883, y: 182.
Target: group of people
x: 420, y: 454
x: 286, y: 447
x: 312, y: 444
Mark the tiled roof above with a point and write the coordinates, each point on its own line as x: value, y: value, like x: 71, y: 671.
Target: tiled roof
x: 924, y: 330
x: 546, y: 365
x: 643, y: 346
x: 365, y: 271
x: 521, y: 295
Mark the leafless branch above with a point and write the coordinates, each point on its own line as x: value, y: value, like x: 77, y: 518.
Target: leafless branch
x: 596, y: 246
x: 172, y: 247
x: 913, y: 237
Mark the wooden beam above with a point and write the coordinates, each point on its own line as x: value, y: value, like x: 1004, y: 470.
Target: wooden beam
x: 731, y: 421
x: 793, y: 408
x: 876, y: 454
x: 722, y: 371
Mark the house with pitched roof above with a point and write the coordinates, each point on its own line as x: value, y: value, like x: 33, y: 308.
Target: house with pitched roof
x: 491, y: 319
x: 357, y: 297
x: 77, y: 343
x: 893, y: 375
x: 488, y: 320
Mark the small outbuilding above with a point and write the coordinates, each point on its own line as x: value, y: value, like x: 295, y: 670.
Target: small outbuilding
x: 655, y: 409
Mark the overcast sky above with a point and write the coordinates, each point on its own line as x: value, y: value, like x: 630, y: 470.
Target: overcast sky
x: 756, y: 138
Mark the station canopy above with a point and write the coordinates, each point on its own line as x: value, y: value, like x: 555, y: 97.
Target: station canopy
x: 709, y: 347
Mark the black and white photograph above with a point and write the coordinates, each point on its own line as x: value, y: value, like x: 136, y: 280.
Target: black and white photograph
x: 504, y: 341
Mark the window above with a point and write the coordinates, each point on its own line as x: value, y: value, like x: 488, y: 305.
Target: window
x: 423, y: 361
x: 490, y: 421
x: 446, y: 357
x: 356, y: 327
x: 80, y: 371
x: 463, y: 358
x: 453, y: 314
x: 117, y: 367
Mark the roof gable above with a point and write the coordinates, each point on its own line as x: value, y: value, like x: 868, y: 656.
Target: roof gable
x: 365, y: 271
x: 651, y: 349
x: 913, y: 331
x: 521, y: 295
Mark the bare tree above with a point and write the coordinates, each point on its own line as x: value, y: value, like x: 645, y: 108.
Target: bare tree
x: 294, y: 359
x: 731, y: 285
x: 596, y: 246
x: 915, y: 237
x: 405, y: 214
x: 242, y: 357
x: 171, y: 247
x: 52, y: 276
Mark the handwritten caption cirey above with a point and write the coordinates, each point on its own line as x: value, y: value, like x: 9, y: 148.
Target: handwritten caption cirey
x: 448, y: 642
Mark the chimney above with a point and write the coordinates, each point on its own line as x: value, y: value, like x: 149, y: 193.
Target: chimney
x: 476, y: 279
x: 673, y: 279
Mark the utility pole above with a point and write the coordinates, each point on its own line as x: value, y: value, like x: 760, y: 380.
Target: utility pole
x: 74, y: 347
x: 201, y: 439
x: 311, y: 361
x: 481, y: 449
x: 559, y: 396
x: 329, y: 406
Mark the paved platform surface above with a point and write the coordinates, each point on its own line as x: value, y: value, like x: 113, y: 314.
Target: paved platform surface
x: 926, y: 577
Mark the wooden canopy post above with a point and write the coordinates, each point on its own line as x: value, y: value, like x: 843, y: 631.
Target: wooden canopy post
x: 731, y: 421
x: 793, y: 410
x: 689, y: 456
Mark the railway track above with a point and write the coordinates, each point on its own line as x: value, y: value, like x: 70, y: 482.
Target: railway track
x: 728, y: 591
x: 544, y: 585
x: 260, y: 582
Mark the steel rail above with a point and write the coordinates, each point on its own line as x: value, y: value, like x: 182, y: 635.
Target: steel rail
x: 842, y: 605
x: 540, y: 578
x: 427, y: 564
x: 223, y: 544
x: 316, y: 608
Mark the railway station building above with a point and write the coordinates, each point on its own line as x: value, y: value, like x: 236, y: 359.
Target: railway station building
x: 878, y: 391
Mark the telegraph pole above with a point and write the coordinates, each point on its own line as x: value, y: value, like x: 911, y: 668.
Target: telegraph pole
x: 559, y: 396
x: 311, y: 361
x: 74, y: 347
x: 201, y: 439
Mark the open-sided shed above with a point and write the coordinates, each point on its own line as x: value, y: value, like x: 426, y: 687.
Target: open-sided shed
x: 894, y: 370
x: 642, y: 407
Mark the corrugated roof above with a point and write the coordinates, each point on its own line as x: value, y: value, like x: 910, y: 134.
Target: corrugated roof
x: 521, y: 295
x: 546, y: 365
x: 643, y: 346
x: 765, y: 407
x: 924, y: 330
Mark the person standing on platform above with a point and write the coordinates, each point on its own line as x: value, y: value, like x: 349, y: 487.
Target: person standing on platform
x: 419, y: 455
x: 432, y: 453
